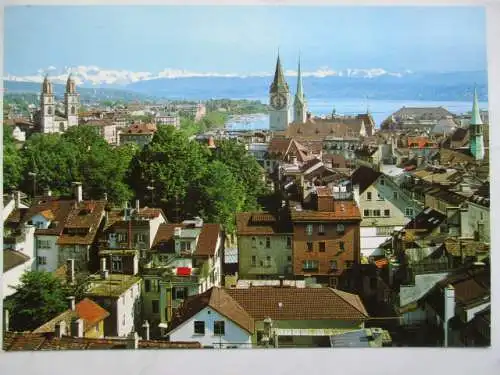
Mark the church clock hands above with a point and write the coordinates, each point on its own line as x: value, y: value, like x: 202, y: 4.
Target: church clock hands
x: 278, y: 101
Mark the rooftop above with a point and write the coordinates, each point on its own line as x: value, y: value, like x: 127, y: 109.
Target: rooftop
x: 114, y: 286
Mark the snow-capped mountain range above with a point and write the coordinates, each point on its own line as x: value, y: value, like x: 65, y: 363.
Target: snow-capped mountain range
x: 96, y: 76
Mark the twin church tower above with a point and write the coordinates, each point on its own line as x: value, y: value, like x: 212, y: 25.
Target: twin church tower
x: 51, y: 120
x: 281, y: 111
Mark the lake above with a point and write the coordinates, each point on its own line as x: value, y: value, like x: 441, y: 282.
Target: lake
x: 380, y: 110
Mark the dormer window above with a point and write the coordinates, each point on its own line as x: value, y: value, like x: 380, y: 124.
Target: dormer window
x: 185, y: 246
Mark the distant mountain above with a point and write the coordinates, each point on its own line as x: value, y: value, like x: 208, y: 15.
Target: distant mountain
x: 86, y: 94
x: 322, y: 84
x: 426, y: 86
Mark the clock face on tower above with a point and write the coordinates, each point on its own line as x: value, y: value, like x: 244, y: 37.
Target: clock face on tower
x: 278, y: 101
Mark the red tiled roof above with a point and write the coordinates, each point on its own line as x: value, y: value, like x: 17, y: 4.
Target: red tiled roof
x: 343, y: 210
x: 207, y: 239
x: 140, y: 129
x: 260, y: 223
x: 299, y: 303
x: 59, y: 208
x: 86, y: 309
x: 218, y: 299
x: 88, y: 216
x: 20, y: 341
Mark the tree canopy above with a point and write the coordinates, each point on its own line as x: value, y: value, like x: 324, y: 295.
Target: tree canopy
x: 40, y: 297
x: 12, y: 161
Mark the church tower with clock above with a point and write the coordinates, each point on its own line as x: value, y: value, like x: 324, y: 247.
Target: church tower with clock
x: 279, y: 101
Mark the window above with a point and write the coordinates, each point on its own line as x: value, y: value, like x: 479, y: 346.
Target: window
x: 268, y: 261
x: 380, y: 197
x: 321, y: 229
x: 387, y: 213
x: 409, y: 212
x: 340, y: 228
x: 72, y: 110
x: 289, y: 242
x: 348, y: 264
x: 341, y: 246
x: 367, y: 213
x: 132, y: 293
x: 254, y: 242
x: 268, y: 242
x: 322, y: 247
x: 395, y: 195
x: 185, y: 246
x: 289, y: 258
x: 147, y: 285
x: 180, y: 293
x: 116, y: 264
x: 49, y: 110
x: 369, y: 196
x: 385, y: 231
x: 333, y: 265
x: 199, y: 327
x: 140, y: 237
x: 254, y: 260
x: 309, y: 229
x: 382, y: 182
x: 42, y: 261
x: 376, y: 213
x: 155, y: 306
x: 219, y: 327
x: 309, y: 246
x: 123, y: 320
x: 310, y: 265
x: 333, y: 282
x: 122, y: 237
x: 43, y: 244
x: 155, y: 286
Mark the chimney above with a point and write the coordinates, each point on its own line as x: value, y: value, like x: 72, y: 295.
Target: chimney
x: 133, y: 340
x: 77, y: 328
x: 177, y: 232
x: 137, y: 205
x: 6, y: 320
x: 18, y: 199
x: 145, y: 327
x: 60, y: 329
x: 78, y: 191
x: 281, y: 280
x: 71, y: 303
x: 70, y: 271
x: 104, y: 271
x: 355, y: 193
x: 449, y: 310
x: 105, y: 196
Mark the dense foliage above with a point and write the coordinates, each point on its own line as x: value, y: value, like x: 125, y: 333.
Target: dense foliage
x: 174, y: 172
x: 13, y: 163
x: 40, y: 297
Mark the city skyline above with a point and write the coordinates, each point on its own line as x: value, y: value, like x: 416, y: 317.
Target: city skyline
x: 114, y: 39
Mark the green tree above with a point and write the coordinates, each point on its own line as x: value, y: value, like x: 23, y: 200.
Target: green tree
x: 40, y: 297
x: 245, y: 168
x: 13, y: 164
x: 220, y: 196
x: 172, y: 163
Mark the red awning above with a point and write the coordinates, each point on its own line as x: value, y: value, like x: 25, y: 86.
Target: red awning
x: 183, y: 271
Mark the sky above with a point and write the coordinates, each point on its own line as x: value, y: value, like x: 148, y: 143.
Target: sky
x: 243, y: 39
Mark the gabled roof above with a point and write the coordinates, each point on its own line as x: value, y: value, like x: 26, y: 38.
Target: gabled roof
x: 280, y: 303
x: 364, y: 177
x: 60, y: 210
x: 87, y: 310
x: 207, y: 238
x: 86, y: 215
x: 12, y: 259
x: 217, y: 299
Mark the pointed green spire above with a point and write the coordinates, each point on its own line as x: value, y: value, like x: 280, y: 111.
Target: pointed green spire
x: 279, y: 82
x: 476, y: 115
x: 300, y: 91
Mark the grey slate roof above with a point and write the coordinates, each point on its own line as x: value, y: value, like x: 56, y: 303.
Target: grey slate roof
x: 423, y: 284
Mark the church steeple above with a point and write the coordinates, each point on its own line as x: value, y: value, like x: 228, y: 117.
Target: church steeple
x: 71, y: 102
x: 476, y: 140
x: 300, y: 108
x: 279, y: 82
x: 70, y: 85
x: 476, y: 115
x: 47, y: 85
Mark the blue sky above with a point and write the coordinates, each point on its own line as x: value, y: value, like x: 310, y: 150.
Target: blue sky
x: 244, y: 40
